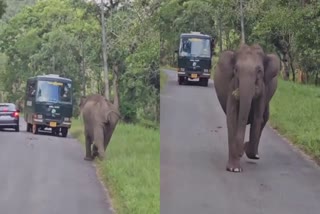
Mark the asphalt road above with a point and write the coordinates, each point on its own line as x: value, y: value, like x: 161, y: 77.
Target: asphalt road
x: 47, y: 174
x: 194, y: 155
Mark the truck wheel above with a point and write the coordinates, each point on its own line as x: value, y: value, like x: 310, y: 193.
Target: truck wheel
x: 180, y: 80
x: 204, y: 81
x: 55, y: 131
x: 64, y: 132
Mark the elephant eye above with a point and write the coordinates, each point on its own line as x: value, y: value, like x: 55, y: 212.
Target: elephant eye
x: 235, y: 70
x: 259, y: 69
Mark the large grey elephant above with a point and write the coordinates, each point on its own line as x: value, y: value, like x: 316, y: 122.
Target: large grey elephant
x: 245, y: 81
x: 100, y: 118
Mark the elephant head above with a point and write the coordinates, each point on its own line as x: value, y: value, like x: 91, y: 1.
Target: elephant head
x: 252, y: 72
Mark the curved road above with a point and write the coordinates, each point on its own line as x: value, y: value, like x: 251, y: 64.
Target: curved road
x: 47, y: 174
x: 194, y: 155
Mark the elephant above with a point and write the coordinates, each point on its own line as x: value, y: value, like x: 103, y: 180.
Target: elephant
x: 245, y: 81
x: 100, y: 118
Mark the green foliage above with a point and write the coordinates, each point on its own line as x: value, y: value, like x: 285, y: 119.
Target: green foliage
x: 297, y: 116
x: 12, y: 7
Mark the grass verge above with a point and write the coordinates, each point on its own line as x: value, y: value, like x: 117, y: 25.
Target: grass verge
x: 295, y: 114
x: 163, y: 79
x: 131, y: 170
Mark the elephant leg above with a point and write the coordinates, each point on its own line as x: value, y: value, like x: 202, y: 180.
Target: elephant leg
x: 259, y: 122
x: 99, y: 141
x: 88, y: 156
x: 255, y: 147
x: 94, y: 151
x: 233, y: 164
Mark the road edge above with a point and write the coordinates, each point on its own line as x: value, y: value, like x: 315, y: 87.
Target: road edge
x: 295, y: 148
x: 104, y: 187
x: 99, y: 178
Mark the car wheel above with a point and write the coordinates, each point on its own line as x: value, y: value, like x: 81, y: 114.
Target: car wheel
x: 17, y: 128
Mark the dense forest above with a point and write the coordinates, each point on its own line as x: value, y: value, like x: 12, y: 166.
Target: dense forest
x: 64, y: 37
x: 289, y: 28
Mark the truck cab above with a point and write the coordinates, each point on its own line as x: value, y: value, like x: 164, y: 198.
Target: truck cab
x: 48, y: 104
x: 194, y: 57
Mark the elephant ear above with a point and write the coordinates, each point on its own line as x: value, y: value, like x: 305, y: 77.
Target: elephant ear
x: 226, y: 63
x: 272, y: 67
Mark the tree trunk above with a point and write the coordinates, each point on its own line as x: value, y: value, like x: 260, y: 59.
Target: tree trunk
x: 116, y: 101
x: 228, y: 39
x: 291, y: 66
x: 104, y: 53
x: 220, y: 32
x: 83, y: 70
x: 286, y: 71
x: 243, y: 40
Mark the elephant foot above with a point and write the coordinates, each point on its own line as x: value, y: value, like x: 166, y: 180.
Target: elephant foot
x: 88, y: 158
x: 250, y: 154
x: 253, y: 156
x: 95, y: 154
x: 234, y: 166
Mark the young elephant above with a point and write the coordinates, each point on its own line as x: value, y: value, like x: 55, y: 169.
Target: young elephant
x: 245, y: 81
x: 100, y: 118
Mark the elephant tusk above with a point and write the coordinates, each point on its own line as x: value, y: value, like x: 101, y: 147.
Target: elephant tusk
x: 235, y: 94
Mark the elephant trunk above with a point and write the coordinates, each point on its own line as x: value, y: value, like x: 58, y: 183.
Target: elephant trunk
x: 246, y: 93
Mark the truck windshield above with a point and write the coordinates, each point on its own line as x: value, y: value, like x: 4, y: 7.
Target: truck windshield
x: 195, y: 47
x: 53, y: 91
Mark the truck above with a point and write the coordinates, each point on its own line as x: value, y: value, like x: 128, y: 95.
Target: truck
x: 48, y: 104
x: 194, y: 57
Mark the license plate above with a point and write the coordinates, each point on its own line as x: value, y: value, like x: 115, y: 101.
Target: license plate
x: 53, y: 124
x: 194, y: 76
